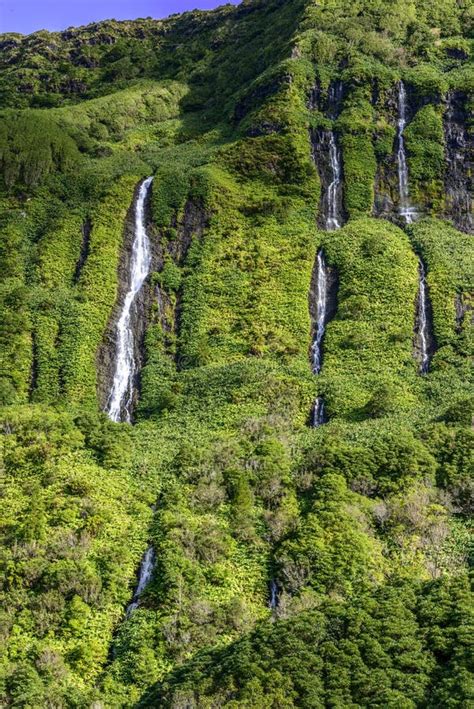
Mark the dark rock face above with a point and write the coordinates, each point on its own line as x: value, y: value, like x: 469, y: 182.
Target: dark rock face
x: 321, y: 149
x: 464, y: 311
x: 460, y: 163
x: 330, y: 102
x: 105, y: 359
x: 325, y: 149
x: 191, y: 226
x: 386, y: 180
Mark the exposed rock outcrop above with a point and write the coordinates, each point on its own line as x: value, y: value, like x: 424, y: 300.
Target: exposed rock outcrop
x: 460, y: 163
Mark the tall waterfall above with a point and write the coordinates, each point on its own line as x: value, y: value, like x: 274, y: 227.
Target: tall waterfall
x: 406, y: 210
x: 121, y: 396
x: 332, y: 218
x: 146, y: 572
x: 321, y: 319
x: 327, y: 156
x: 422, y: 318
x: 119, y: 406
x: 320, y: 313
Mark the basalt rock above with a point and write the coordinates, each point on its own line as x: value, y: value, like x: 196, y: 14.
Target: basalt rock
x: 140, y: 313
x: 460, y: 163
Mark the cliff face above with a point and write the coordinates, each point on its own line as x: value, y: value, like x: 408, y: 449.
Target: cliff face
x: 272, y: 131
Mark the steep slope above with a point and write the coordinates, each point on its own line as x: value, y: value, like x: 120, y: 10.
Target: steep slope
x: 275, y: 131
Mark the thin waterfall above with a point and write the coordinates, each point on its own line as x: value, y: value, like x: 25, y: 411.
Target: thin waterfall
x: 320, y: 313
x: 406, y: 210
x: 332, y: 219
x: 422, y: 321
x: 327, y: 156
x: 321, y: 318
x: 144, y: 577
x: 273, y: 603
x: 119, y: 406
x: 319, y: 414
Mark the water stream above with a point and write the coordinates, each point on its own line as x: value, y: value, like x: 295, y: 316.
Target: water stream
x: 327, y: 156
x: 422, y: 320
x: 320, y: 313
x: 332, y: 218
x: 406, y: 210
x: 321, y: 320
x: 273, y: 595
x: 119, y: 405
x: 146, y: 571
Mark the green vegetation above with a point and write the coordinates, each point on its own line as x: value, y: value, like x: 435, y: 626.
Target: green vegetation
x: 364, y: 524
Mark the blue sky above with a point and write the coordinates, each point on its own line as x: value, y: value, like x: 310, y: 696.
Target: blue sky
x: 29, y: 15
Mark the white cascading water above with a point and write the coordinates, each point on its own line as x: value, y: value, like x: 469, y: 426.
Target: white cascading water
x: 423, y: 321
x: 332, y: 220
x: 317, y: 349
x: 320, y: 313
x: 319, y: 416
x: 406, y: 210
x: 273, y: 595
x: 121, y: 396
x: 146, y: 572
x: 119, y: 406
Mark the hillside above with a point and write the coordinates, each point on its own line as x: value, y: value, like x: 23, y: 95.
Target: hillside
x: 236, y: 399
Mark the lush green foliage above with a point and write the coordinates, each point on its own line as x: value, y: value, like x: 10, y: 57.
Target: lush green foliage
x: 380, y: 652
x: 363, y: 524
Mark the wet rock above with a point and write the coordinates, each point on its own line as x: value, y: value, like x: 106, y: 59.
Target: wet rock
x: 460, y: 161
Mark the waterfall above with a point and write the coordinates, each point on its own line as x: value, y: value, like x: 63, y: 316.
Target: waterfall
x: 327, y: 156
x: 321, y: 312
x: 422, y: 318
x: 144, y: 577
x: 332, y: 219
x: 319, y: 417
x: 319, y: 414
x: 406, y: 210
x: 273, y: 595
x: 121, y: 396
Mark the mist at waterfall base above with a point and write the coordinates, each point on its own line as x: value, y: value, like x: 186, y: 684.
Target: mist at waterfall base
x: 55, y: 15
